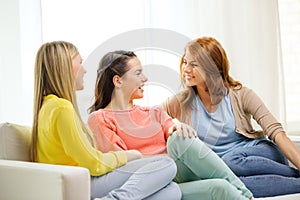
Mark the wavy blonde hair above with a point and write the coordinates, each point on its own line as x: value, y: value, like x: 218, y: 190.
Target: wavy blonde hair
x: 53, y: 74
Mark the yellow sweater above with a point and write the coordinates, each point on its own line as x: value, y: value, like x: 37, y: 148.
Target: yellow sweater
x: 61, y: 140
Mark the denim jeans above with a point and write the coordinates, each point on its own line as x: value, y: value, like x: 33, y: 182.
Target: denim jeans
x: 147, y: 178
x: 264, y: 169
x: 201, y: 173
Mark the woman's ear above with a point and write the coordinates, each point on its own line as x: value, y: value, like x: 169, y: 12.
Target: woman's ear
x: 117, y: 80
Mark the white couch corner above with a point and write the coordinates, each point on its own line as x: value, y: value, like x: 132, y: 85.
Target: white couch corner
x: 22, y: 179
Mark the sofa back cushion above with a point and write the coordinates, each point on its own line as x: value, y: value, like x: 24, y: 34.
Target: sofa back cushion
x: 15, y: 142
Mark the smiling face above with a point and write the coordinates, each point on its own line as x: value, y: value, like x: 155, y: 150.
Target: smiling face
x: 79, y: 72
x: 134, y: 80
x: 192, y: 71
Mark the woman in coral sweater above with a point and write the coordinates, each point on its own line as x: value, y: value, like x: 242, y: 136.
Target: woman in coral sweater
x: 121, y: 125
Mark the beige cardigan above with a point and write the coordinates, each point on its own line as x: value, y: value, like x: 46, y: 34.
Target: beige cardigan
x: 245, y: 104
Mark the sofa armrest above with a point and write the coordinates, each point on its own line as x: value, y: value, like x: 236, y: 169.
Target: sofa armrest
x: 29, y: 181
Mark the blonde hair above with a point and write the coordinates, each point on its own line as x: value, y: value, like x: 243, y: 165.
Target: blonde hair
x: 53, y: 74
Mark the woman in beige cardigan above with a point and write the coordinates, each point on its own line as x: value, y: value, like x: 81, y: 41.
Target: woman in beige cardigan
x: 220, y: 108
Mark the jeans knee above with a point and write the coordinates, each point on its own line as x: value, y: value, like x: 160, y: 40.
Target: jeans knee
x: 175, y: 191
x: 172, y: 168
x: 178, y: 146
x: 235, y: 163
x: 166, y: 164
x: 234, y: 159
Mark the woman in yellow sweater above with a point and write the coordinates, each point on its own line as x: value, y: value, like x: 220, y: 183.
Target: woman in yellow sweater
x: 60, y: 137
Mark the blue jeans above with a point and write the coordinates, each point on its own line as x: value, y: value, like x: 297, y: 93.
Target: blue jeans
x: 147, y: 178
x: 264, y: 169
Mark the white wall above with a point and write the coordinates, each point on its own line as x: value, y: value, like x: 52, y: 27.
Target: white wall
x: 248, y: 30
x: 20, y: 36
x: 10, y: 60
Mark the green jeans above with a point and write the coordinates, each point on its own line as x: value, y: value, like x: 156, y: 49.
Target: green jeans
x: 201, y: 174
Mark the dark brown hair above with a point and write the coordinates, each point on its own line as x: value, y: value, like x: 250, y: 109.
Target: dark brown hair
x: 111, y: 64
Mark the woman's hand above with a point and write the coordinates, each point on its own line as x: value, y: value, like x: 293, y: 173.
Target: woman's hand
x: 183, y: 130
x: 133, y: 155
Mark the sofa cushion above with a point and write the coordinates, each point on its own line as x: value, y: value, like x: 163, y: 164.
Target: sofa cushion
x: 15, y: 142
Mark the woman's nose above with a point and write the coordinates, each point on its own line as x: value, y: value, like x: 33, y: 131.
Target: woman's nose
x: 187, y: 68
x: 145, y: 79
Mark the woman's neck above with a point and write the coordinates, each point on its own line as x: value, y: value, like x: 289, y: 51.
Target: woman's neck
x: 205, y: 97
x: 116, y: 106
x: 119, y: 103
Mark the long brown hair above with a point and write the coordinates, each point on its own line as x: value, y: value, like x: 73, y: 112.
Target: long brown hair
x: 111, y: 64
x: 53, y: 74
x: 211, y: 56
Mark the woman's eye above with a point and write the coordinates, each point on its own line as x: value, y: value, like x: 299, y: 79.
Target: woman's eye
x: 194, y: 65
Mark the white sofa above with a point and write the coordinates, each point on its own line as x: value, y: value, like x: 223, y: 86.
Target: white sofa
x: 24, y: 180
x: 21, y: 179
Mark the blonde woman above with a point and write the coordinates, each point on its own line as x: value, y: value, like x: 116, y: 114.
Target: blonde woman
x: 60, y: 137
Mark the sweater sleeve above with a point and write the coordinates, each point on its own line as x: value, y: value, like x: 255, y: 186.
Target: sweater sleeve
x: 172, y: 107
x: 77, y: 146
x: 254, y: 106
x: 107, y: 139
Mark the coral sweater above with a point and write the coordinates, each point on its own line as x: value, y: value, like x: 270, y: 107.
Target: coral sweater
x: 140, y: 128
x: 61, y: 140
